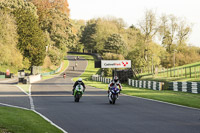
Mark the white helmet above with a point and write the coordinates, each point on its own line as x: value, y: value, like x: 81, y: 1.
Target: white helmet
x: 80, y: 79
x: 115, y: 78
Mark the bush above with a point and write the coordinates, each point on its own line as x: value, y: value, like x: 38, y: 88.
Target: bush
x: 55, y: 55
x: 9, y: 53
x: 47, y: 62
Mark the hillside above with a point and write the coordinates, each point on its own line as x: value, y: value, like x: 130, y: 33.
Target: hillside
x: 189, y: 72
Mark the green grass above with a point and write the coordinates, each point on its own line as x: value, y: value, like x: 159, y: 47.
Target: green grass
x: 65, y: 65
x: 4, y: 130
x: 24, y: 121
x: 25, y: 87
x: 90, y: 70
x: 181, y: 98
x: 181, y: 73
x: 12, y: 69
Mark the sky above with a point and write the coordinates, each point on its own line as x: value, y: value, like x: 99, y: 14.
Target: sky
x: 132, y: 11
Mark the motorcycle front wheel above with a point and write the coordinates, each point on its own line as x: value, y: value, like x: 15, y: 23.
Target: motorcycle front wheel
x: 76, y: 98
x: 114, y: 97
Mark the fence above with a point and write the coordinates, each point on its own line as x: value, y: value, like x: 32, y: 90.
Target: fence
x: 145, y: 84
x: 123, y: 75
x: 191, y: 87
x: 182, y: 72
x: 135, y: 83
x: 101, y: 79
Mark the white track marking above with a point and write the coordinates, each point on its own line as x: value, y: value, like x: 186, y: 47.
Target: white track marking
x: 50, y: 121
x: 22, y: 90
x: 29, y: 95
x: 13, y: 106
x: 36, y: 113
x: 29, y: 89
x: 33, y: 109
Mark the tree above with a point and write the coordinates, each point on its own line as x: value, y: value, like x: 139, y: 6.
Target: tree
x: 116, y: 43
x: 96, y: 32
x: 12, y: 5
x: 118, y: 22
x: 77, y: 29
x: 88, y: 35
x: 31, y: 38
x: 149, y: 28
x: 183, y: 32
x: 174, y: 33
x: 105, y: 28
x: 43, y: 6
x: 8, y: 41
x: 131, y: 36
x: 54, y: 19
x: 168, y: 30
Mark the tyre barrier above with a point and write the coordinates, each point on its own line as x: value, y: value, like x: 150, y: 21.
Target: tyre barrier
x: 145, y: 84
x: 101, y: 79
x: 191, y: 87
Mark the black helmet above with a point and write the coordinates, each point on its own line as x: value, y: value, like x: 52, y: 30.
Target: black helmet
x: 115, y: 79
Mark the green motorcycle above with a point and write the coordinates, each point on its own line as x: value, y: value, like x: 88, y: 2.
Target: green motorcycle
x: 78, y: 92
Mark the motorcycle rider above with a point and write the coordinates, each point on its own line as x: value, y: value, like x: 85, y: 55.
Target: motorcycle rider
x: 79, y: 81
x: 64, y: 75
x: 113, y: 82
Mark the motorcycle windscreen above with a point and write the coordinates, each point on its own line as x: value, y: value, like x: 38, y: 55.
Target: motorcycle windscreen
x: 79, y: 88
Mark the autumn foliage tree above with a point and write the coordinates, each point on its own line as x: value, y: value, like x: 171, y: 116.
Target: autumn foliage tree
x: 54, y: 21
x: 31, y: 38
x: 43, y: 6
x: 8, y: 41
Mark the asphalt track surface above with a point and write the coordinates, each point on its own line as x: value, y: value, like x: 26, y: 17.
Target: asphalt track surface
x: 93, y: 114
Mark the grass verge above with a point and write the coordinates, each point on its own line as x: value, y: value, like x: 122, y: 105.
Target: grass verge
x: 181, y: 98
x: 24, y: 121
x: 90, y: 70
x: 65, y: 65
x: 189, y: 72
x: 25, y: 87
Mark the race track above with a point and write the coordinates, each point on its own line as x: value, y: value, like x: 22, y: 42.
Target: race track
x: 93, y: 114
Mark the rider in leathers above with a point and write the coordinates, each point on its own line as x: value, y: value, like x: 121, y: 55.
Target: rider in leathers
x: 79, y: 81
x: 113, y: 82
